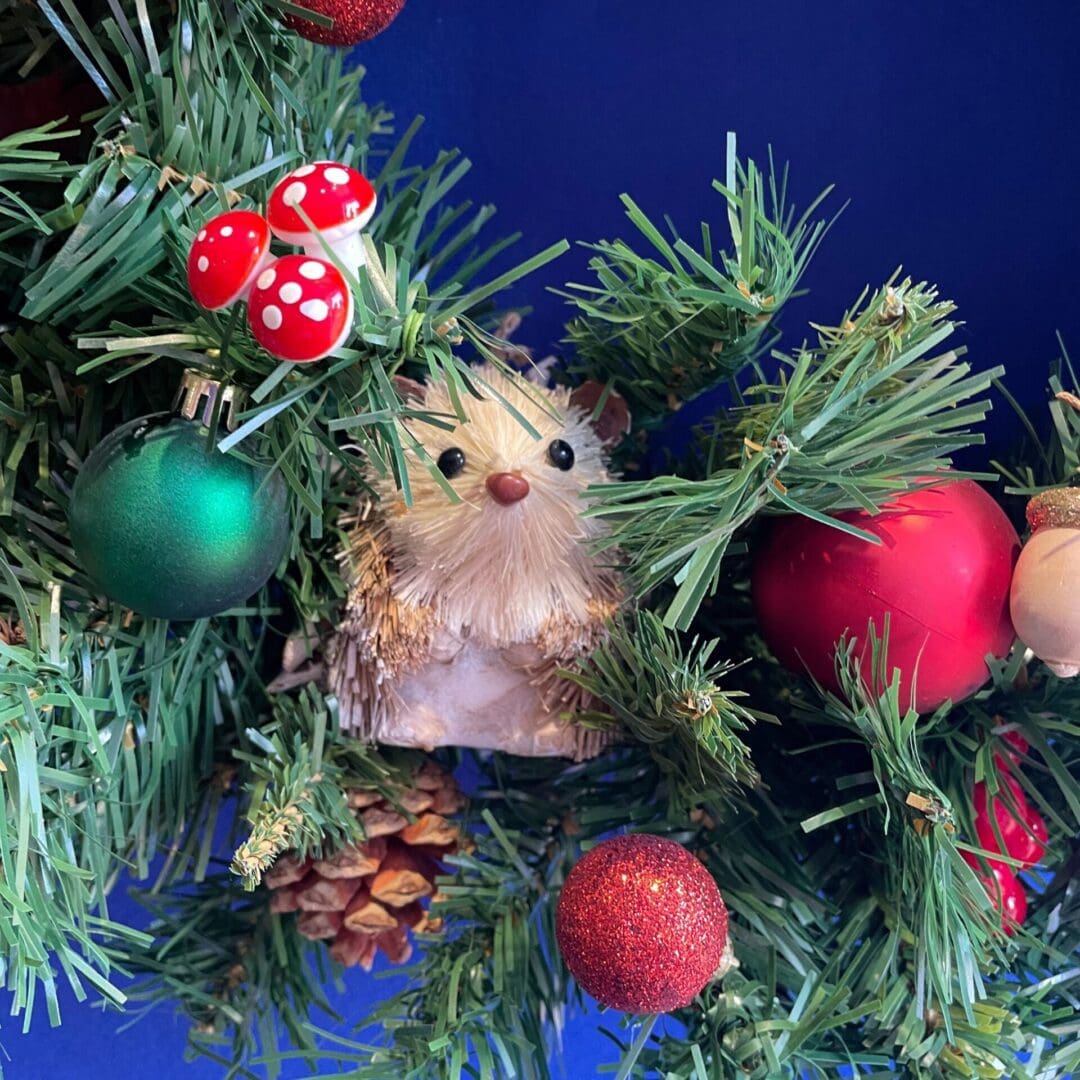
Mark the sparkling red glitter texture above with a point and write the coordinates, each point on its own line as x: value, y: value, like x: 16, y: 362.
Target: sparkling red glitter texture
x: 641, y: 924
x: 354, y: 20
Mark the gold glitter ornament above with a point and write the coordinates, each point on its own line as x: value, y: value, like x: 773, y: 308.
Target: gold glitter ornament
x: 1045, y: 593
x: 354, y: 20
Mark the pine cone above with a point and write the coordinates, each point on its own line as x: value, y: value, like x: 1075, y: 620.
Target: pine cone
x: 366, y: 897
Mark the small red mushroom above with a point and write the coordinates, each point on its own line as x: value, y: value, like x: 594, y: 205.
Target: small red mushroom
x: 226, y: 257
x: 337, y: 200
x: 300, y: 309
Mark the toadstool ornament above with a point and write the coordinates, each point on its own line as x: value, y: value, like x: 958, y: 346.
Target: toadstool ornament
x: 301, y: 309
x: 338, y: 202
x: 226, y: 257
x: 461, y: 613
x: 1045, y: 594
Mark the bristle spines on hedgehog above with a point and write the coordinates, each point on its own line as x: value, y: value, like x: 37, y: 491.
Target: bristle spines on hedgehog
x: 461, y: 613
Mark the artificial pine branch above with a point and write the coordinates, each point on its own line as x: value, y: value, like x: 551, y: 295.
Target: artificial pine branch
x: 26, y: 158
x: 668, y: 698
x: 283, y: 819
x: 662, y: 328
x: 935, y: 897
x: 298, y: 785
x: 244, y: 977
x: 868, y: 412
x: 1057, y: 457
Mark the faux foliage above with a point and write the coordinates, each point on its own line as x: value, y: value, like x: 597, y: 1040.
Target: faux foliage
x: 833, y: 825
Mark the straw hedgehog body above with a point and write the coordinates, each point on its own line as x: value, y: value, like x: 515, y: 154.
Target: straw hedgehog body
x: 461, y: 613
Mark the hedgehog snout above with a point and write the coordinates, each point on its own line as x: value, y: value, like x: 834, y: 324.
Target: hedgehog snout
x: 507, y: 488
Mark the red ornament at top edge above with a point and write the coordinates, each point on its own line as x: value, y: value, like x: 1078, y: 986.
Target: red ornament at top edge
x: 354, y: 20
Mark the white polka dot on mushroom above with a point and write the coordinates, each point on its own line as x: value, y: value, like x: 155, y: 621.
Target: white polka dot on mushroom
x: 203, y: 263
x: 304, y: 170
x: 294, y: 193
x: 226, y: 230
x: 316, y: 310
x: 313, y: 270
x: 272, y: 317
x: 266, y: 278
x: 202, y: 235
x: 290, y: 292
x: 335, y: 174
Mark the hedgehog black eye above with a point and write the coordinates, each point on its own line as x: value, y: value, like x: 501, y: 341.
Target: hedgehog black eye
x: 561, y: 455
x: 451, y: 462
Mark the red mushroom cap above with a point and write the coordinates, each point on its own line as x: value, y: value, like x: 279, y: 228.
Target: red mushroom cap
x: 226, y: 257
x: 338, y: 200
x: 300, y: 309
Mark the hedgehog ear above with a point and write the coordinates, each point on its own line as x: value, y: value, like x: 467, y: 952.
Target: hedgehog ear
x: 408, y: 389
x: 608, y: 412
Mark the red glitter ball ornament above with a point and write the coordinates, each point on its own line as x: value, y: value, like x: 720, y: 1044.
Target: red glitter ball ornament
x: 354, y: 20
x: 941, y: 572
x: 641, y: 924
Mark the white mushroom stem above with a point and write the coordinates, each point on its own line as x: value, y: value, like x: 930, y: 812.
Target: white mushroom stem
x: 349, y: 249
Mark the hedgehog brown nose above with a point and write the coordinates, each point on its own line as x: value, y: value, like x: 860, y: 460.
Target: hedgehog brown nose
x: 507, y: 488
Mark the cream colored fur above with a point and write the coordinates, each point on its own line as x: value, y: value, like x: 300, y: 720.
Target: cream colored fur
x: 500, y: 573
x: 461, y: 614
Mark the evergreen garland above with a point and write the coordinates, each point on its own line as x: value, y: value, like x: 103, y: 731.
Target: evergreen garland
x: 834, y: 827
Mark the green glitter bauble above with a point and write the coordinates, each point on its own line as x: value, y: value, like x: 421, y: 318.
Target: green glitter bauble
x: 170, y: 530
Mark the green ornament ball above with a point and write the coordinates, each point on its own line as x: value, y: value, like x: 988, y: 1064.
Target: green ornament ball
x: 171, y: 530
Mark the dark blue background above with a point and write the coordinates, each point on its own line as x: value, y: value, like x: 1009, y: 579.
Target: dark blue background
x: 952, y: 127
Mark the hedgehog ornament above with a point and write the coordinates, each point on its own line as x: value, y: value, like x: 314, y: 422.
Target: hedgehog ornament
x: 461, y: 613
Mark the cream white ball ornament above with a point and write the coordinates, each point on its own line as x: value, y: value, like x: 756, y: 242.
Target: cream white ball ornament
x: 1045, y: 593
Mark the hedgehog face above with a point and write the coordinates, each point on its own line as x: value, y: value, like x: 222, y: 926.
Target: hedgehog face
x: 516, y: 540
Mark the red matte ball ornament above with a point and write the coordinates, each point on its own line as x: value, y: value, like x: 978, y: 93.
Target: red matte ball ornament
x: 641, y: 924
x: 941, y: 572
x: 354, y: 20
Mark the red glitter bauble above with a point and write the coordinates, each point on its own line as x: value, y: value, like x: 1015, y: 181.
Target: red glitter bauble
x: 641, y: 924
x: 354, y: 20
x: 941, y: 572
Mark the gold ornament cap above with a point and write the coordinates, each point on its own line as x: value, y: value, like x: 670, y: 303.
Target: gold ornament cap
x: 1058, y: 508
x: 197, y: 398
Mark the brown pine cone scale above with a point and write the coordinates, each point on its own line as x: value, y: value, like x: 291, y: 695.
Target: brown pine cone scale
x: 367, y: 896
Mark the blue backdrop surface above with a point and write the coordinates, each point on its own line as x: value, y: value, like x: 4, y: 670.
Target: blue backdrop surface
x: 953, y: 129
